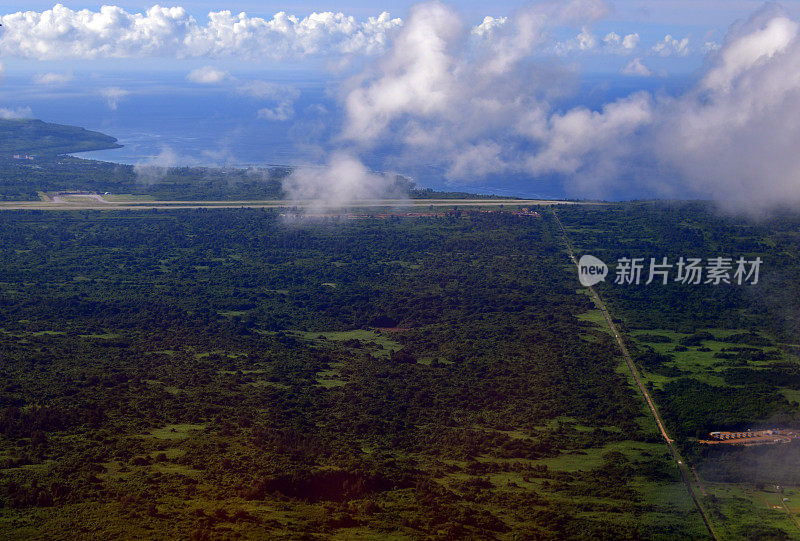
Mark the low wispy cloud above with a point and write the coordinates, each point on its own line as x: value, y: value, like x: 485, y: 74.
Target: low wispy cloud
x: 113, y: 95
x: 52, y: 78
x: 280, y: 98
x: 279, y: 113
x: 207, y: 75
x: 9, y: 113
x: 155, y: 168
x: 343, y: 179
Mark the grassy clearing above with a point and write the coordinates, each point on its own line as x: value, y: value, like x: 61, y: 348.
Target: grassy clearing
x: 668, y: 495
x: 588, y: 459
x: 668, y: 499
x: 166, y: 388
x: 171, y: 453
x: 330, y: 379
x: 229, y: 354
x: 385, y: 344
x: 79, y: 199
x: 175, y: 431
x: 792, y: 395
x: 596, y: 317
x: 695, y: 361
x: 736, y: 509
x: 659, y: 501
x: 231, y: 313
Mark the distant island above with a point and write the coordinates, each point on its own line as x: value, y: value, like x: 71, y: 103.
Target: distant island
x: 30, y: 137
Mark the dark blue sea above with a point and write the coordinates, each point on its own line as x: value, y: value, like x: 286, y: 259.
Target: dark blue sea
x: 163, y: 118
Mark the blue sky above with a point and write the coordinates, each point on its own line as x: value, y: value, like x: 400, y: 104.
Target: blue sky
x: 672, y: 11
x: 700, y: 21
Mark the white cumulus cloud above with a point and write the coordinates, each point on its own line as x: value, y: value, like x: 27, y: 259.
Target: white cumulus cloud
x: 630, y: 41
x: 431, y: 80
x: 670, y: 46
x: 744, y: 52
x: 112, y: 32
x: 579, y: 141
x: 207, y: 75
x: 584, y: 41
x: 635, y: 67
x: 735, y: 137
x: 489, y: 25
x: 491, y: 109
x: 448, y: 100
x: 615, y: 43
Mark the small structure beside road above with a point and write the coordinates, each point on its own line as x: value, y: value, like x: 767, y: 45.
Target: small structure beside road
x: 752, y: 437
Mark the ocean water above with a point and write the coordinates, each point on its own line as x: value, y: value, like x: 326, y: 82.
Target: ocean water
x: 162, y: 118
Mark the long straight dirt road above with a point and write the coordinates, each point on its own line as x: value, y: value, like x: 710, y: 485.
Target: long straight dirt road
x: 684, y: 469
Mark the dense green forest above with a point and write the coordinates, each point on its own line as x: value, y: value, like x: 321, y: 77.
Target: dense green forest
x: 211, y: 373
x: 223, y: 373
